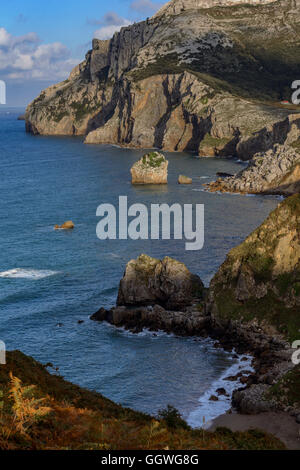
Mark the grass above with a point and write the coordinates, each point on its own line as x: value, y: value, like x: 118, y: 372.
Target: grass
x: 210, y: 141
x: 287, y: 390
x: 153, y: 159
x: 41, y: 411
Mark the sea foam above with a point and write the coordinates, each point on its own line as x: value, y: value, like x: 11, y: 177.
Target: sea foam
x: 22, y: 273
x: 208, y: 410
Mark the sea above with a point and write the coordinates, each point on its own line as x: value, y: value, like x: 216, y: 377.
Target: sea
x: 52, y: 281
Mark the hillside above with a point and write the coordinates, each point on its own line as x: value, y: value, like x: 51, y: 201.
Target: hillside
x: 40, y: 411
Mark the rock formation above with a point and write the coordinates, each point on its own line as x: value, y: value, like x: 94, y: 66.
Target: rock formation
x: 275, y: 172
x: 184, y: 180
x: 149, y: 281
x: 160, y: 295
x: 259, y: 282
x: 152, y: 168
x: 203, y: 66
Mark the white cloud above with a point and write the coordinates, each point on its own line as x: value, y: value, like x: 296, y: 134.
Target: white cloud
x: 24, y: 57
x: 110, y: 23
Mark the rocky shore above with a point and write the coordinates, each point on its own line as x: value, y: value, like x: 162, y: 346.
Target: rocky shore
x: 276, y: 171
x: 251, y: 306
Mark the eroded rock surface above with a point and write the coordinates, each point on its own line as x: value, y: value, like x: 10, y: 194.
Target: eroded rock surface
x: 152, y: 168
x: 276, y: 171
x: 149, y: 281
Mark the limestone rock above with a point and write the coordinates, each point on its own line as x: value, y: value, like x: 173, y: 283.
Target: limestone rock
x: 149, y: 281
x: 69, y: 225
x: 152, y: 168
x: 167, y: 83
x: 276, y: 171
x: 184, y: 180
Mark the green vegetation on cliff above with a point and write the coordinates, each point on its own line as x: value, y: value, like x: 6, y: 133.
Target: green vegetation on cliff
x: 260, y: 279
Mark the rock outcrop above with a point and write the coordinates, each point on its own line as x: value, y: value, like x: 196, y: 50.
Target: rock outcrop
x: 203, y: 66
x: 152, y: 168
x: 275, y: 172
x: 159, y: 295
x: 149, y: 281
x: 259, y: 282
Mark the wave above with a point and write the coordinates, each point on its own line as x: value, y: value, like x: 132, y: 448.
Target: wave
x: 22, y: 273
x: 208, y: 410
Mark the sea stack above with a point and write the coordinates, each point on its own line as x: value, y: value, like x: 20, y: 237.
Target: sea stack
x: 152, y: 168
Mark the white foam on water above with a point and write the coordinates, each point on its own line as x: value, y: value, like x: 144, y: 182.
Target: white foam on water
x: 22, y: 273
x: 208, y: 410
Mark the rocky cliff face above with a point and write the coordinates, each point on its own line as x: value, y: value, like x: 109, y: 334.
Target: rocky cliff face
x: 259, y: 282
x: 203, y: 65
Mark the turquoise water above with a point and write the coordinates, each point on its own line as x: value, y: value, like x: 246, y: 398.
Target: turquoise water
x: 52, y: 277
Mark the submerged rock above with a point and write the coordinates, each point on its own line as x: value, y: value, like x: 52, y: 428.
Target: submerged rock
x: 149, y: 281
x: 152, y: 168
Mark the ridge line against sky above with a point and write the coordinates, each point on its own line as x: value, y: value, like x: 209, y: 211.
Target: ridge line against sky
x: 40, y: 42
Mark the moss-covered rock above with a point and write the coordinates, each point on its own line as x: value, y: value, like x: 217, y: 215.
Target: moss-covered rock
x: 260, y: 279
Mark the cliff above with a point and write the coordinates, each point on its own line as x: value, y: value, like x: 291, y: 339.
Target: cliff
x: 258, y: 284
x: 215, y: 71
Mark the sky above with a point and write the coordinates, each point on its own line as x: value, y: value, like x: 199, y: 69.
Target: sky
x: 42, y: 40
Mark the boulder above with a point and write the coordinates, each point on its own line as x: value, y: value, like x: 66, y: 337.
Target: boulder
x: 152, y: 168
x: 149, y: 281
x: 184, y: 180
x: 69, y: 225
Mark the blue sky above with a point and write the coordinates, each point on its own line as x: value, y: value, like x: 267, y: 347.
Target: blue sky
x: 41, y: 41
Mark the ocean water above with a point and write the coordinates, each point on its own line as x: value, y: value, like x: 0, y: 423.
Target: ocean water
x: 51, y: 279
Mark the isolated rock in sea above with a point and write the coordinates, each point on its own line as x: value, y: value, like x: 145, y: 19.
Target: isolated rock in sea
x: 21, y: 117
x: 167, y: 82
x: 152, y: 168
x: 69, y: 225
x: 184, y: 180
x: 276, y: 171
x: 149, y: 281
x: 259, y: 282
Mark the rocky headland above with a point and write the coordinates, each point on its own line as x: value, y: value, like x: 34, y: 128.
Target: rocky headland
x: 216, y: 90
